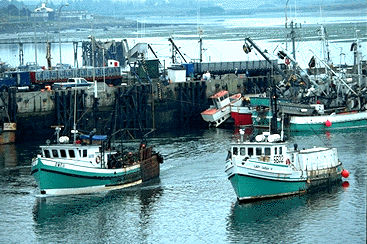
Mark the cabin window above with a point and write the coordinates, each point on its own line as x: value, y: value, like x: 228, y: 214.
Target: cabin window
x: 71, y: 154
x: 275, y: 150
x: 267, y: 151
x: 258, y: 151
x: 235, y: 151
x: 243, y: 151
x: 63, y: 153
x: 55, y: 154
x: 250, y: 151
x: 47, y: 153
x: 280, y: 150
x: 85, y: 153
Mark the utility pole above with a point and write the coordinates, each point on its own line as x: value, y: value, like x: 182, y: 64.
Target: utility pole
x: 292, y: 34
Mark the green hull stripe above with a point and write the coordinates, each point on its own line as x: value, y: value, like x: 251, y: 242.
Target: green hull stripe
x: 81, y: 176
x: 254, y: 187
x: 322, y: 126
x: 50, y: 178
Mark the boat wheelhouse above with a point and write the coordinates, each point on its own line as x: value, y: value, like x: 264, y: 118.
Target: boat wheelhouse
x: 220, y: 111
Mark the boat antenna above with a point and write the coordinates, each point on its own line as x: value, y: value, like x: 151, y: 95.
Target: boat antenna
x: 273, y: 107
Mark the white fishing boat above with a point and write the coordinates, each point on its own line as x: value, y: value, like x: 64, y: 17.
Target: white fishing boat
x: 76, y: 167
x: 220, y: 111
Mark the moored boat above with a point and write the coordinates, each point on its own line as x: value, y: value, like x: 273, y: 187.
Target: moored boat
x: 267, y: 168
x: 242, y: 115
x: 342, y: 120
x: 75, y: 168
x: 220, y: 111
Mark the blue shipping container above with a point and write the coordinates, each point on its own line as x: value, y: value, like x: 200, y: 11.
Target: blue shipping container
x: 189, y: 69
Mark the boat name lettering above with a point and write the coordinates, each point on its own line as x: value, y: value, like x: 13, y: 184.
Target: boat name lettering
x: 58, y: 164
x: 278, y: 159
x: 256, y: 166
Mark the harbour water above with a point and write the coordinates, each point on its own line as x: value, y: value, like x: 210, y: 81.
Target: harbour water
x: 192, y: 202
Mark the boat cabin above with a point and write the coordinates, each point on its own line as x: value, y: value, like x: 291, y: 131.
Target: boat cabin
x: 220, y: 99
x: 88, y: 153
x: 266, y: 152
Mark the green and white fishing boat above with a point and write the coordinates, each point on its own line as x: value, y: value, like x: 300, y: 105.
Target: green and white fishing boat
x: 355, y: 119
x: 267, y: 168
x: 76, y: 168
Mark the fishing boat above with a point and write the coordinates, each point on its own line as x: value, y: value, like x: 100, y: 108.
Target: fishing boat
x: 77, y: 167
x: 220, y: 111
x: 242, y: 115
x: 266, y: 167
x: 354, y: 119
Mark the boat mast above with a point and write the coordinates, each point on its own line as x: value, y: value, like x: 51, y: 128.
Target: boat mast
x: 74, y: 122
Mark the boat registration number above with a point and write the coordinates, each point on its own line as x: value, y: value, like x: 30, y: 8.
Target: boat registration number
x: 58, y: 164
x: 278, y: 159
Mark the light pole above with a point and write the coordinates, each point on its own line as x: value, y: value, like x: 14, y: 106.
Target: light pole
x: 63, y: 5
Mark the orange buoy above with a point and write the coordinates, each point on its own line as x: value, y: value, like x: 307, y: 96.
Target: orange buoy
x: 345, y: 173
x: 328, y: 123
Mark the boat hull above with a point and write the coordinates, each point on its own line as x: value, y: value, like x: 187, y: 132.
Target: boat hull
x: 252, y: 188
x: 338, y: 121
x: 56, y: 178
x: 249, y: 187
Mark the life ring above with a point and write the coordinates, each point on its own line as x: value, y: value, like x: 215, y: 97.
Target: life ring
x: 98, y: 159
x: 288, y: 162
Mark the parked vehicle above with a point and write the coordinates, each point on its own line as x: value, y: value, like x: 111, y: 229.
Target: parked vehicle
x: 20, y: 79
x: 72, y: 83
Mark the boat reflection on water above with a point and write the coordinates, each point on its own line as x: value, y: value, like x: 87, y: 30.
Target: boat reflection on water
x: 279, y: 220
x: 101, y: 214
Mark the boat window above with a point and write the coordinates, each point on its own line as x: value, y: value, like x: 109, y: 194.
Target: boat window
x: 235, y: 151
x: 55, y: 154
x: 243, y: 151
x: 71, y: 154
x: 258, y: 151
x: 85, y: 153
x: 63, y: 153
x: 280, y: 150
x: 275, y: 150
x: 47, y: 153
x: 267, y: 151
x: 250, y: 151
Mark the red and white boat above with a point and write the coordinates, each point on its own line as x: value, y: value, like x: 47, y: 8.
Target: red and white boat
x: 242, y: 115
x: 220, y: 111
